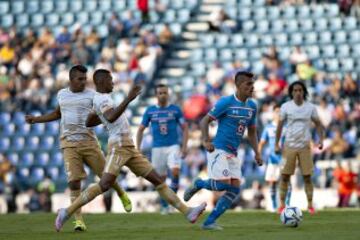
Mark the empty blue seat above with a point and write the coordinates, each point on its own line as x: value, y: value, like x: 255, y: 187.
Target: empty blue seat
x: 82, y: 17
x: 183, y: 15
x: 169, y: 16
x: 273, y: 12
x: 292, y: 25
x: 343, y: 50
x: 8, y: 129
x: 47, y: 143
x: 347, y: 64
x: 32, y: 143
x: 210, y: 54
x: 296, y: 39
x: 92, y: 6
x: 18, y: 118
x: 245, y: 13
x: 104, y: 6
x: 52, y: 19
x: 5, y: 118
x: 226, y: 55
x: 118, y: 5
x: 17, y: 7
x: 263, y: 26
x: 175, y: 28
x: 67, y: 19
x: 53, y: 173
x: 42, y: 159
x: 56, y: 159
x: 289, y: 12
x: 4, y: 7
x: 277, y: 25
x: 18, y: 143
x: 306, y: 24
x: 267, y: 40
x: 23, y: 129
x: 311, y: 38
x: 32, y: 6
x: 26, y: 160
x: 252, y: 40
x: 22, y: 20
x: 102, y: 30
x: 36, y: 175
x: 314, y: 52
x: 318, y: 11
x: 325, y: 37
x: 197, y: 54
x: 248, y: 26
x: 61, y: 6
x: 47, y: 6
x: 13, y: 158
x: 198, y: 69
x: 350, y: 23
x: 260, y: 13
x: 340, y: 37
x: 23, y: 173
x: 332, y: 65
x: 96, y: 18
x: 328, y: 51
x: 222, y: 40
x: 38, y: 129
x: 241, y: 53
x: 354, y: 36
x: 7, y: 20
x: 321, y: 24
x: 237, y: 40
x: 303, y: 12
x: 4, y: 144
x: 332, y: 10
x: 335, y: 24
x: 37, y: 20
x: 355, y: 50
x: 52, y: 128
x: 281, y: 39
x: 76, y: 6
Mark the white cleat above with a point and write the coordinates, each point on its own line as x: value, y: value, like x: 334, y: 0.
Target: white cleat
x: 61, y: 218
x: 212, y: 226
x: 194, y: 213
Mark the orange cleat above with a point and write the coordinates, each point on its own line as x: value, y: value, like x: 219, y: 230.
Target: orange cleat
x: 280, y: 209
x: 311, y: 210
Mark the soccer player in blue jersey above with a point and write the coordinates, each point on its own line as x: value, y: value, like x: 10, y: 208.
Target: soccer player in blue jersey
x: 272, y: 174
x: 164, y: 119
x: 234, y: 115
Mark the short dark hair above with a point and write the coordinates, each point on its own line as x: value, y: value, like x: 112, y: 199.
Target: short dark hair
x: 98, y: 74
x: 300, y: 83
x: 77, y: 68
x: 160, y: 85
x: 240, y: 74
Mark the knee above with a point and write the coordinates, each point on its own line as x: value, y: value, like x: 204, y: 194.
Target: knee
x: 154, y: 178
x: 307, y: 178
x: 105, y: 185
x: 74, y: 185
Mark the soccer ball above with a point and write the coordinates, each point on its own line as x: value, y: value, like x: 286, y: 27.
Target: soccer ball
x: 291, y: 216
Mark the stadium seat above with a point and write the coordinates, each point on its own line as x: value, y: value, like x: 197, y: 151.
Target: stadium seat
x: 56, y: 159
x: 61, y: 6
x: 222, y: 41
x: 175, y: 28
x: 76, y: 6
x: 335, y: 24
x: 183, y: 15
x: 296, y: 39
x: 350, y: 23
x: 118, y: 5
x: 288, y: 12
x: 36, y: 175
x: 53, y: 173
x: 248, y: 25
x: 303, y: 12
x: 328, y: 51
x: 325, y: 37
x: 245, y: 13
x: 284, y: 53
x: 226, y: 55
x: 314, y: 52
x: 4, y: 144
x: 340, y: 37
x: 343, y: 50
x: 332, y: 65
x: 321, y: 24
x: 104, y: 6
x: 18, y: 118
x: 237, y: 40
x: 8, y: 129
x: 5, y: 118
x: 260, y: 13
x: 306, y: 24
x: 32, y: 6
x: 7, y: 20
x: 32, y: 143
x: 332, y: 10
x: 37, y: 20
x: 354, y: 36
x: 52, y: 19
x: 82, y: 17
x: 67, y: 19
x: 91, y: 5
x: 210, y: 54
x: 347, y: 64
x: 22, y: 20
x: 311, y: 38
x: 13, y: 158
x: 17, y: 7
x: 251, y: 40
x: 198, y: 69
x: 197, y: 54
x: 273, y: 12
x: 26, y: 160
x: 47, y: 143
x: 292, y: 25
x: 96, y: 18
x: 38, y: 129
x: 4, y: 7
x: 47, y: 6
x: 263, y: 26
x: 169, y: 16
x: 52, y: 128
x: 23, y: 174
x: 266, y: 40
x: 41, y: 159
x: 277, y: 25
x: 318, y: 11
x: 18, y: 143
x: 355, y: 50
x: 281, y: 39
x: 241, y: 53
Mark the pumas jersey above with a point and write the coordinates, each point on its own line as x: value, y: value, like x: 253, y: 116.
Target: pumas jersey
x: 233, y: 117
x: 75, y: 108
x: 119, y: 130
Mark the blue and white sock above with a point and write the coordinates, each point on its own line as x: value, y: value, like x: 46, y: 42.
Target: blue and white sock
x: 273, y: 194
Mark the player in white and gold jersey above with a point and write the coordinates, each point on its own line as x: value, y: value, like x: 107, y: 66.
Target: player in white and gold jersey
x: 121, y: 151
x: 298, y: 114
x: 78, y: 143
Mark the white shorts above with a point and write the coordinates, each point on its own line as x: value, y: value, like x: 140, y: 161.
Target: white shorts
x: 272, y: 173
x: 223, y: 165
x: 163, y: 158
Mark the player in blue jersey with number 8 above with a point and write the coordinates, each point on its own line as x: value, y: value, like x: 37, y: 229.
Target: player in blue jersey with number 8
x: 234, y: 115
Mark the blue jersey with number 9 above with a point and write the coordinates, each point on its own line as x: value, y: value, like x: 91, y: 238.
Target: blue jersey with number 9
x: 233, y: 117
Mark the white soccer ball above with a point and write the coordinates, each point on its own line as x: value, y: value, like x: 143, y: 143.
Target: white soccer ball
x: 291, y: 216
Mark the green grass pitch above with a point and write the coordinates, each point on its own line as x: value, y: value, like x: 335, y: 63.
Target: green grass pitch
x: 326, y: 225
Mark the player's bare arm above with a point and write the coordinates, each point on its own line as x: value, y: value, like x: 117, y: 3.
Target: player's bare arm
x: 261, y: 145
x: 185, y: 130
x: 139, y: 136
x: 92, y: 120
x: 54, y: 115
x: 253, y: 140
x: 320, y: 131
x: 114, y: 113
x: 278, y: 136
x: 206, y: 141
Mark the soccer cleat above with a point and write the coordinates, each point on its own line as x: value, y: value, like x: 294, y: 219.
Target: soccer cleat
x: 212, y: 226
x: 126, y: 202
x: 79, y: 226
x: 61, y: 218
x: 194, y: 213
x: 311, y: 210
x: 280, y: 209
x: 190, y: 191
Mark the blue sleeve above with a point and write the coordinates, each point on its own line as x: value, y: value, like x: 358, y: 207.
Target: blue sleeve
x: 219, y: 108
x: 254, y: 114
x: 146, y: 118
x: 265, y: 135
x: 179, y: 116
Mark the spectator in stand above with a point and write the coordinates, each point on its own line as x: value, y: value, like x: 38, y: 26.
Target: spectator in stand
x: 338, y: 145
x: 165, y: 35
x: 305, y: 71
x: 7, y: 55
x: 297, y: 56
x: 346, y: 179
x: 143, y: 6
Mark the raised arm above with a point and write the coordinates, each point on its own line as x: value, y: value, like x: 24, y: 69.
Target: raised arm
x: 206, y: 141
x: 253, y: 140
x: 114, y: 113
x: 92, y: 120
x: 54, y: 115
